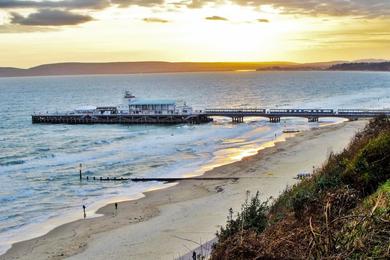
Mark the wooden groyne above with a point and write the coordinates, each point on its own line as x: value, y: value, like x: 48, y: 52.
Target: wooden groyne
x: 147, y: 179
x: 173, y: 179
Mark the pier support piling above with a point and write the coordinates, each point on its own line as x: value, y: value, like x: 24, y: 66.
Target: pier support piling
x: 274, y: 119
x: 238, y: 119
x: 313, y: 119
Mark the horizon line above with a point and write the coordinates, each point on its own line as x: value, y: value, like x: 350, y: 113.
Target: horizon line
x: 194, y: 62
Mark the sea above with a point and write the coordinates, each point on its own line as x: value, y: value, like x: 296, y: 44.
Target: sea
x: 39, y: 164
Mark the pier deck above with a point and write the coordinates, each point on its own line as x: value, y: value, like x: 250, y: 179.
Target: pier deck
x: 119, y: 119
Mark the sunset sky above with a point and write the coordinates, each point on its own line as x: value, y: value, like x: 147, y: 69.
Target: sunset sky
x: 37, y: 32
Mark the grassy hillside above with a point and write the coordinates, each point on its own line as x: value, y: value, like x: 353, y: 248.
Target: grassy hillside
x: 341, y: 212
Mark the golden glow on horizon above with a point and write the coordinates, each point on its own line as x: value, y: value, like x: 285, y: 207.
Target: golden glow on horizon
x: 247, y: 34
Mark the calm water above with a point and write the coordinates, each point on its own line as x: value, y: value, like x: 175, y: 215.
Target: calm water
x: 39, y: 186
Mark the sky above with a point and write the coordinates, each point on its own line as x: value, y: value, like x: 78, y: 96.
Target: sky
x: 49, y: 31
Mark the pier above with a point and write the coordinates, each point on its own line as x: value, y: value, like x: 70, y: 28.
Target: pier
x: 237, y: 116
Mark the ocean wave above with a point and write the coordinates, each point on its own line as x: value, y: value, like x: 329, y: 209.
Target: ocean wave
x: 126, y: 137
x: 14, y: 162
x: 42, y: 149
x: 44, y: 156
x: 12, y: 227
x: 156, y: 165
x: 100, y: 142
x: 186, y: 150
x: 128, y: 174
x: 7, y: 198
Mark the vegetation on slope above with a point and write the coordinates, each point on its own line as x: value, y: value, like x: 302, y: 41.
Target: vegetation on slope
x: 341, y: 212
x: 360, y: 66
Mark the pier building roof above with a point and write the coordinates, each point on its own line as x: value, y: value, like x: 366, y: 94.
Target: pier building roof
x: 152, y: 102
x: 86, y: 108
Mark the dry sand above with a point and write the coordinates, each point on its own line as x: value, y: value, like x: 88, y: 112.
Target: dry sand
x: 168, y: 223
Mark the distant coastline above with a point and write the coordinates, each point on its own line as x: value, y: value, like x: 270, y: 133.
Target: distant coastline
x: 344, y: 66
x: 75, y: 68
x: 362, y: 66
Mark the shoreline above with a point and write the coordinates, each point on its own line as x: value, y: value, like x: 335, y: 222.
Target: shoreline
x: 40, y: 229
x: 78, y: 237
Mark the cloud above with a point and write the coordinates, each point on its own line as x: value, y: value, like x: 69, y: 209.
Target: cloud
x: 155, y: 20
x: 366, y: 8
x: 216, y: 18
x: 49, y: 17
x: 68, y: 4
x: 16, y: 28
x: 126, y: 3
x: 201, y: 3
x: 262, y: 20
x: 77, y: 4
x: 371, y: 8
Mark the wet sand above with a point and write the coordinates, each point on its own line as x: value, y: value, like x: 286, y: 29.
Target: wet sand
x: 168, y: 223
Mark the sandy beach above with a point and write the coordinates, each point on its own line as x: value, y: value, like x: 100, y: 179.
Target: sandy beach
x: 169, y: 223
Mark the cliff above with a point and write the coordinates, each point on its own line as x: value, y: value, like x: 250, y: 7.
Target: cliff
x: 341, y: 212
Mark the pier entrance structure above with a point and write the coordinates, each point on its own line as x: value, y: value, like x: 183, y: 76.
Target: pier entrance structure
x: 274, y: 115
x: 132, y: 111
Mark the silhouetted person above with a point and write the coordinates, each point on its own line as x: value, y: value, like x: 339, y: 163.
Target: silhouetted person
x: 194, y: 255
x: 116, y: 207
x: 85, y: 214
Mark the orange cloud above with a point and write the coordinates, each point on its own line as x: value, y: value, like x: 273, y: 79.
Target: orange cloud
x: 216, y: 18
x: 155, y: 20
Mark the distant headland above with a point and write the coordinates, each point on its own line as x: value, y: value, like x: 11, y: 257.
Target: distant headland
x: 377, y: 66
x: 76, y: 68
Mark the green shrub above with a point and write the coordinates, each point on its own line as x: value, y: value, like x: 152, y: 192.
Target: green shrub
x: 253, y: 216
x: 301, y: 201
x: 371, y: 165
x: 325, y: 182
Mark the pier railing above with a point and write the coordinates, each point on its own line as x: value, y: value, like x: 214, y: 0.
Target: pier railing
x: 297, y: 112
x: 312, y: 114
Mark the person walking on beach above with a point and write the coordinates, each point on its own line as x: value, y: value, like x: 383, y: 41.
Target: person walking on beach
x: 85, y: 214
x: 116, y: 208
